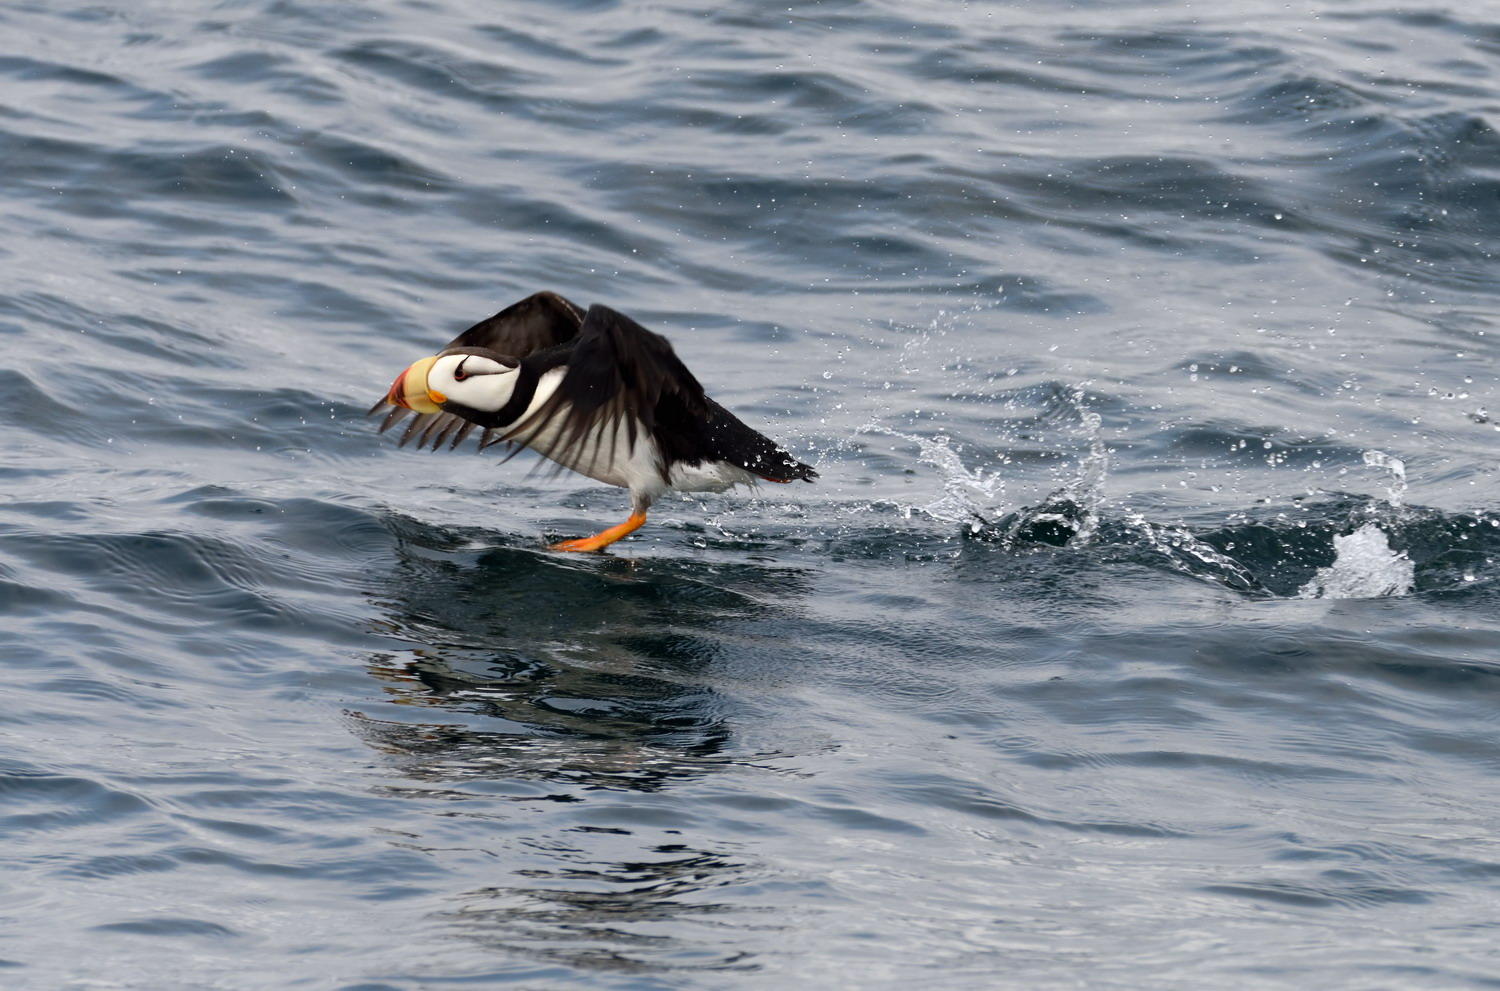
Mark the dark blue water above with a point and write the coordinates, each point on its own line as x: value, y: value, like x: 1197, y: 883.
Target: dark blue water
x: 1140, y: 632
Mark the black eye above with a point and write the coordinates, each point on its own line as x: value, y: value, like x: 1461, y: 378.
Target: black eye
x: 458, y: 373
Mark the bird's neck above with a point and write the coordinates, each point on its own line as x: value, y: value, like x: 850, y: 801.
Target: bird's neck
x: 532, y: 389
x: 520, y: 401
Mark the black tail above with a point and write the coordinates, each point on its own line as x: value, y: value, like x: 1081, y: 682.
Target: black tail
x: 727, y: 438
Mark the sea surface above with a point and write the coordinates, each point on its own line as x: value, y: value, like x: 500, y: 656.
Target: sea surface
x: 1142, y: 630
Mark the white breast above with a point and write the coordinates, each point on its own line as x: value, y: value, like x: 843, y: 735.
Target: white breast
x: 605, y: 454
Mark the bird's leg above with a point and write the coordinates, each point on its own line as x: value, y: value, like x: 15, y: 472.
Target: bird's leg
x: 604, y: 538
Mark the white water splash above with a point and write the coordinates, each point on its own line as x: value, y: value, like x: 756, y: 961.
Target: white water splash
x: 1088, y: 488
x: 971, y: 496
x: 967, y: 492
x: 1191, y: 556
x: 1365, y: 567
x: 1396, y: 492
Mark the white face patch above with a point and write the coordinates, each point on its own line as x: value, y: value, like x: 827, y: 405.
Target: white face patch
x: 472, y: 380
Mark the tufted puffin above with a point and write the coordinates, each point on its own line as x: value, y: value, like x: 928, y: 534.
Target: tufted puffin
x: 594, y: 392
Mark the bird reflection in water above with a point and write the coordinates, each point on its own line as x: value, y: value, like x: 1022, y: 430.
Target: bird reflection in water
x: 570, y: 704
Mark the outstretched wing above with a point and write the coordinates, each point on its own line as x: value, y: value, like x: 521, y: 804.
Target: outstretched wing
x: 619, y: 377
x: 536, y: 323
x: 540, y: 321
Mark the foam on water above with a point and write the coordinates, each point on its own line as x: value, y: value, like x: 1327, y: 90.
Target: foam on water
x: 1366, y: 568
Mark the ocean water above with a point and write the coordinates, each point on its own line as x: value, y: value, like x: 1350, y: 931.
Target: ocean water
x: 1141, y: 630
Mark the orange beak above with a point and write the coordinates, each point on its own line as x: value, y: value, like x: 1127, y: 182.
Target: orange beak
x: 410, y: 391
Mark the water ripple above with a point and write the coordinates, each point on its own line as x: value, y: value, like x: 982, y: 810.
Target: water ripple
x: 1116, y: 335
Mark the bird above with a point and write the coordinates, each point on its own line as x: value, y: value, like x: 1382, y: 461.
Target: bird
x: 594, y: 392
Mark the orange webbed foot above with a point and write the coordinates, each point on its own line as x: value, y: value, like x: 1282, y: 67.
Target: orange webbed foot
x: 604, y: 538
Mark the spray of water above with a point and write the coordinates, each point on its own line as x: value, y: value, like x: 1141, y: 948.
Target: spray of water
x: 1365, y: 567
x: 1365, y: 564
x: 973, y: 497
x: 967, y: 492
x: 1189, y: 555
x: 1087, y: 490
x: 1396, y: 469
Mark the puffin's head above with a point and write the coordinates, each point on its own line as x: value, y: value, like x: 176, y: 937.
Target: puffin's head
x: 473, y: 377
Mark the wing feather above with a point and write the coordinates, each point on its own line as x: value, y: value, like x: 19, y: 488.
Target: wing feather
x: 540, y: 321
x: 463, y: 431
x: 617, y: 375
x: 416, y: 426
x: 396, y: 413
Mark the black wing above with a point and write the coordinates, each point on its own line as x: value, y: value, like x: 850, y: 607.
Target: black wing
x: 536, y: 323
x: 540, y: 321
x: 621, y: 376
x: 728, y: 438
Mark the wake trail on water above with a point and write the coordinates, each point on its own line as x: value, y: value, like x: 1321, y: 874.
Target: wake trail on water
x: 1342, y: 547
